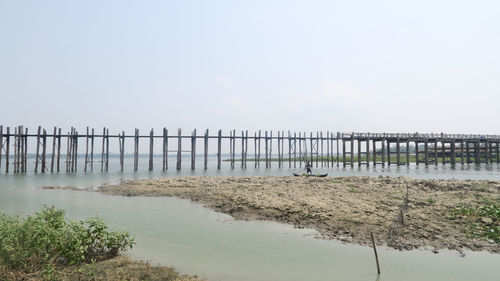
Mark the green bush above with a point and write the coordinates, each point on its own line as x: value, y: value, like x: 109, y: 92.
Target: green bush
x: 45, y: 240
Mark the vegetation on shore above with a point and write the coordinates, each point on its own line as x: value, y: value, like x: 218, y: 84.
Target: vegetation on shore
x: 483, y: 219
x: 46, y: 246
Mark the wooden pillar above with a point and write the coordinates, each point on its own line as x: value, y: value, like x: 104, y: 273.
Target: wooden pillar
x: 383, y: 152
x: 267, y: 149
x: 435, y: 151
x: 388, y: 153
x: 44, y: 150
x: 321, y: 151
x: 498, y: 152
x: 193, y: 150
x: 255, y: 149
x: 462, y: 151
x: 179, y: 149
x: 343, y: 152
x: 86, y: 150
x: 398, y: 152
x: 294, y: 149
x: 37, y: 149
x: 374, y: 146
x: 136, y: 149
x: 338, y: 159
x: 302, y: 157
x: 289, y: 150
x: 417, y: 157
x: 426, y: 149
x: 242, y: 149
x: 359, y: 152
x: 258, y: 146
x: 103, y: 148
x: 231, y: 163
x: 7, y: 149
x: 75, y: 151
x: 16, y: 140
x: 408, y: 152
x: 467, y: 148
x: 219, y: 146
x: 91, y: 151
x: 58, y: 149
x: 121, y: 141
x: 352, y: 150
x: 246, y: 148
x: 205, y: 151
x: 368, y: 151
x: 151, y: 145
x: 443, y: 152
x: 452, y: 148
x: 165, y: 149
x: 25, y: 150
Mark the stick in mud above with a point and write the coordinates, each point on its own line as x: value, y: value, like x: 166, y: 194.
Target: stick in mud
x: 375, y: 251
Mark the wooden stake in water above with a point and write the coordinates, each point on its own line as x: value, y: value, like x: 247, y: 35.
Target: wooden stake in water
x: 375, y: 251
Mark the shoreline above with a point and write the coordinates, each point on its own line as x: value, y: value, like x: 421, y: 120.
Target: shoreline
x: 344, y: 208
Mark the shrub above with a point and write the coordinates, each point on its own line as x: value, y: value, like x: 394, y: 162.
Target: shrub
x: 45, y: 240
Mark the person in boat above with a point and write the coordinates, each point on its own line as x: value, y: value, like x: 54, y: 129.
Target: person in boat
x: 308, y: 168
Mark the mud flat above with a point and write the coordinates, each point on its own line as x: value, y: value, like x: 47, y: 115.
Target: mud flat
x: 344, y: 208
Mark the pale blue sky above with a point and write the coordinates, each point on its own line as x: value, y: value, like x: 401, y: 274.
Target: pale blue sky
x: 377, y: 66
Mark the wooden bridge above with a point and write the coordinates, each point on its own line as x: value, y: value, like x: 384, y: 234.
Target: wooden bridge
x: 321, y: 149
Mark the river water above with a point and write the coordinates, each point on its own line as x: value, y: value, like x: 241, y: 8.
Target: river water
x: 195, y: 240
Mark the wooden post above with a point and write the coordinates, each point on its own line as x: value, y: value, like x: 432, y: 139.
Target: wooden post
x: 359, y: 152
x: 205, y: 151
x: 242, y: 149
x: 165, y: 149
x: 37, y: 149
x: 258, y: 146
x: 289, y: 150
x: 383, y: 151
x: 179, y: 149
x: 462, y: 152
x: 193, y: 150
x: 122, y: 149
x: 453, y: 156
x: 368, y: 151
x: 267, y: 149
x: 151, y: 144
x: 321, y: 140
x: 279, y: 150
x: 374, y: 144
x: 352, y: 150
x: 231, y: 149
x: 338, y: 160
x: 407, y: 151
x: 107, y: 150
x: 388, y: 153
x: 16, y: 140
x: 103, y: 148
x: 219, y: 145
x: 417, y: 157
x: 7, y: 148
x: 25, y: 150
x: 398, y: 151
x: 343, y: 152
x: 92, y: 152
x: 44, y: 150
x: 375, y: 251
x: 426, y: 149
x: 255, y: 149
x: 58, y: 149
x: 87, y: 150
x: 293, y: 142
x: 75, y: 150
x: 246, y: 148
x: 435, y: 151
x: 136, y: 150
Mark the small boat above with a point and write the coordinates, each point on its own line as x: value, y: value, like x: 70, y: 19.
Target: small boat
x: 306, y: 175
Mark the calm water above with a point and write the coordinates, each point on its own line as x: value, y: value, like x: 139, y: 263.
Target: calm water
x: 198, y: 241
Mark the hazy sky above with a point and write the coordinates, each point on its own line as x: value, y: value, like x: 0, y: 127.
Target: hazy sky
x: 372, y: 66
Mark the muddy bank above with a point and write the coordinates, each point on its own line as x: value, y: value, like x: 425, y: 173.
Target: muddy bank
x: 346, y: 208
